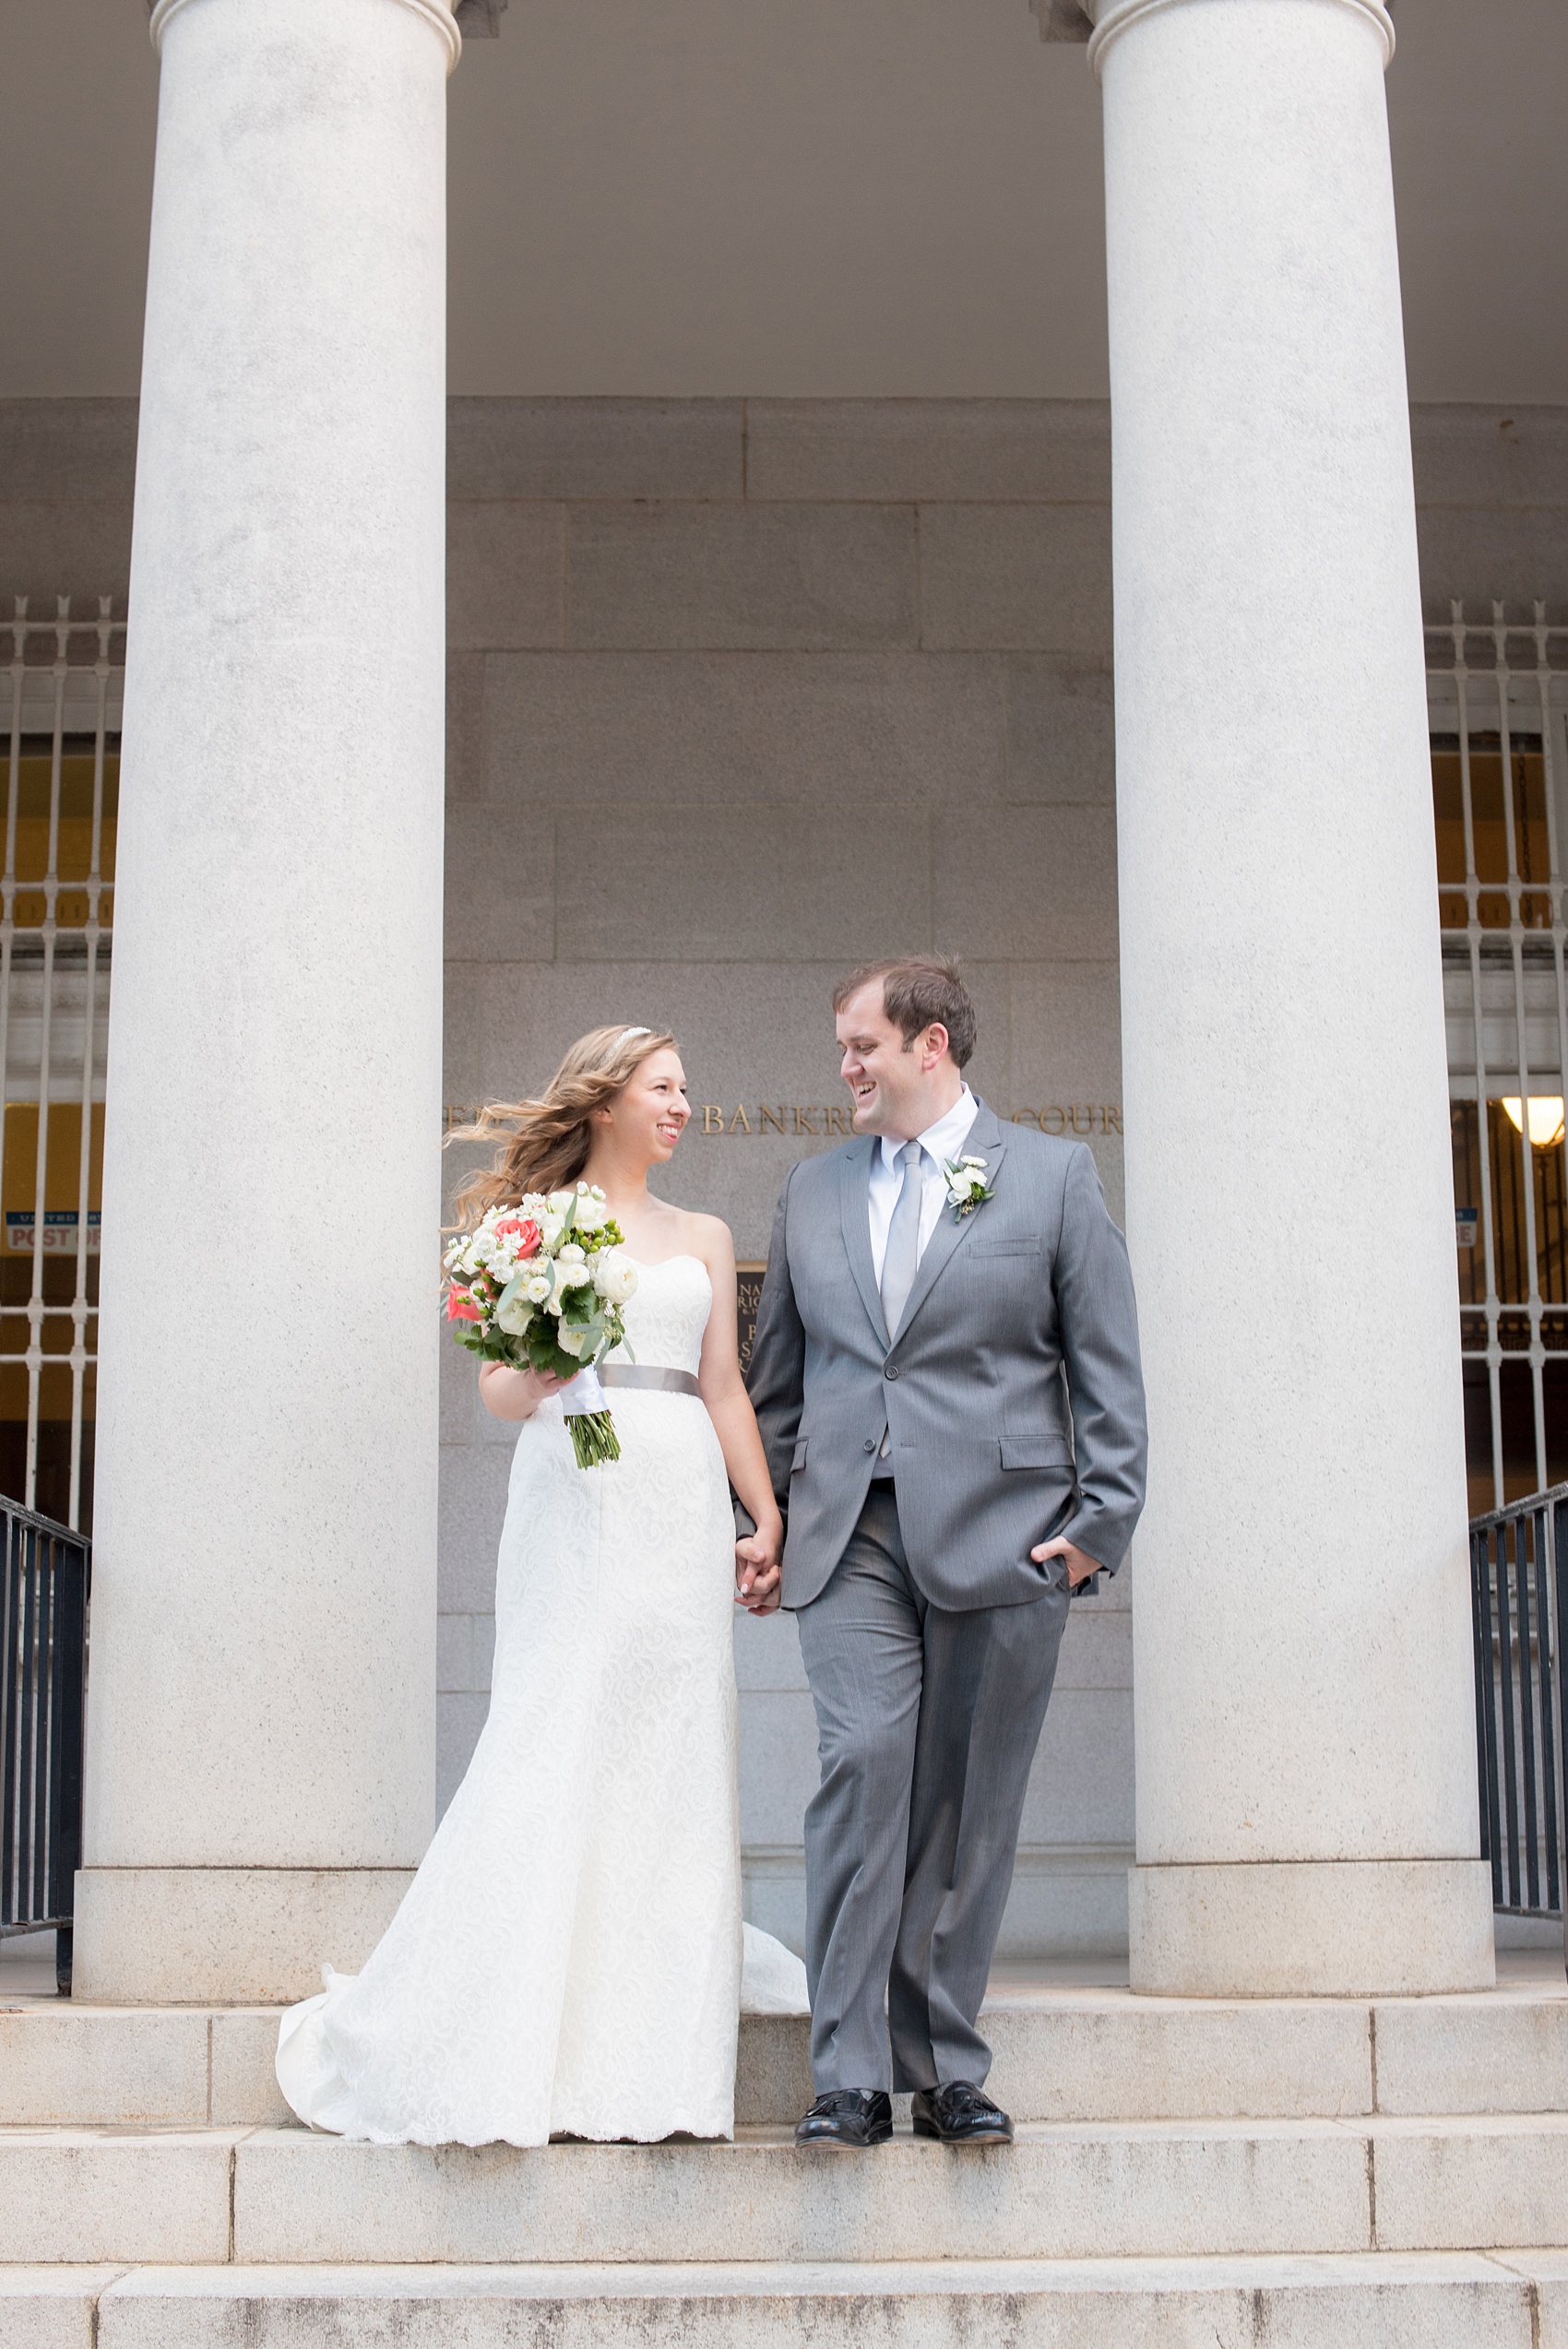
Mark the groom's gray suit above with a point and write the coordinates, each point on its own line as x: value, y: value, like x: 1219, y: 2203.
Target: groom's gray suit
x: 1012, y: 1404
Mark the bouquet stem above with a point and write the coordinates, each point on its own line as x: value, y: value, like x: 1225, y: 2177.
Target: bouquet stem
x: 593, y: 1437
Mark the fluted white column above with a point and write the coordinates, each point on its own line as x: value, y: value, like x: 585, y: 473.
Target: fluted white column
x: 260, y: 1749
x: 1306, y: 1784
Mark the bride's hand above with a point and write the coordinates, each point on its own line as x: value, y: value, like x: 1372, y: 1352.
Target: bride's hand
x: 757, y: 1572
x: 516, y: 1394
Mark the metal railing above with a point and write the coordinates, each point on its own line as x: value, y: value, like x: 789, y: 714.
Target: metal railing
x: 60, y: 741
x: 1497, y: 693
x: 44, y: 1575
x: 1518, y: 1592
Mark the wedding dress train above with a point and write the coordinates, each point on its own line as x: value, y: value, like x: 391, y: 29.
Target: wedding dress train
x: 569, y: 1958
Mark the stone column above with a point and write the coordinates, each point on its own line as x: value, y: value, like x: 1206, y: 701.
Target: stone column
x: 1306, y: 1781
x: 261, y: 1745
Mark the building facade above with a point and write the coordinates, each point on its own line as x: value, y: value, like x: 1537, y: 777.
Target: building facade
x: 746, y: 678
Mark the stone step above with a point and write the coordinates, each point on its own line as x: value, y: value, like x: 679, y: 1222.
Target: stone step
x: 1131, y: 2189
x: 1060, y: 2056
x: 1432, y: 2300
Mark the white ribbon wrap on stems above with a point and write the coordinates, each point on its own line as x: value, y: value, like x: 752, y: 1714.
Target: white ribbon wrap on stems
x: 582, y: 1395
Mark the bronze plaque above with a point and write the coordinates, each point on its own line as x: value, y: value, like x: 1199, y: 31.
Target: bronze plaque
x: 748, y: 1295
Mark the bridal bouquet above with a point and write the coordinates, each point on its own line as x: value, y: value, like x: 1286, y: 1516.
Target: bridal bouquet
x: 539, y: 1287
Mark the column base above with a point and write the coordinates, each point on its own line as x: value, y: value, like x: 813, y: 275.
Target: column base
x: 225, y: 1936
x: 1312, y: 1928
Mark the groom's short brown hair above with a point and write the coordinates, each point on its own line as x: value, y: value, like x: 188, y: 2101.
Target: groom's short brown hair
x: 917, y: 989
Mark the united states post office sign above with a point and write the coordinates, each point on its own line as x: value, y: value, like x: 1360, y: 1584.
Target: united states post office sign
x: 59, y: 1230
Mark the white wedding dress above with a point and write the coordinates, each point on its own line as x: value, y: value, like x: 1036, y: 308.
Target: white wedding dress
x: 568, y: 1959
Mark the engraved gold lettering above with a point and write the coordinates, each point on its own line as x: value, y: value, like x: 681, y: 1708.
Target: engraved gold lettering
x: 833, y: 1119
x: 748, y: 1295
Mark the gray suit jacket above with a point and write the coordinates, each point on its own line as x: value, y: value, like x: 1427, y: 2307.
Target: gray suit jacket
x: 1012, y: 1393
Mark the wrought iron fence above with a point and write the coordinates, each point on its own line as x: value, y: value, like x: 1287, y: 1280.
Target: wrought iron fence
x: 1518, y: 1592
x: 45, y: 1574
x: 60, y: 748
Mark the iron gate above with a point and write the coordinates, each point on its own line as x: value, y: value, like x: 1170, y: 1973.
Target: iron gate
x: 45, y: 1572
x: 1518, y: 1588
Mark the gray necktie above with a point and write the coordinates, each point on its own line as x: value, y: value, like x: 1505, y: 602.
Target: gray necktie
x: 901, y: 1261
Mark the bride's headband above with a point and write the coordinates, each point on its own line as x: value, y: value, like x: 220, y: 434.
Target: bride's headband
x: 627, y: 1033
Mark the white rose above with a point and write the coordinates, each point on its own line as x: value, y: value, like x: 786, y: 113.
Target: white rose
x: 571, y: 1269
x: 514, y: 1317
x: 593, y: 1211
x: 614, y: 1275
x: 551, y: 1227
x: 560, y: 1201
x: 572, y: 1336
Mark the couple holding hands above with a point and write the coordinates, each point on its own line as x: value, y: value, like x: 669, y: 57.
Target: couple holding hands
x: 943, y: 1435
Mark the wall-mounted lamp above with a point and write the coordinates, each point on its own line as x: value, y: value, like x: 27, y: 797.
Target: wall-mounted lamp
x: 1546, y: 1117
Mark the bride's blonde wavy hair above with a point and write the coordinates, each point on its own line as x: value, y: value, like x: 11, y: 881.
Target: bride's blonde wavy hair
x: 548, y: 1140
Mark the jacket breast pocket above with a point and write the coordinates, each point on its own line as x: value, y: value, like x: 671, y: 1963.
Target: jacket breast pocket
x: 799, y: 1462
x: 1035, y: 1452
x: 1006, y: 1247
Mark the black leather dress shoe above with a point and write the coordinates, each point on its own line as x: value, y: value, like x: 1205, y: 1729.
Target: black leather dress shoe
x: 959, y: 2115
x: 853, y: 2116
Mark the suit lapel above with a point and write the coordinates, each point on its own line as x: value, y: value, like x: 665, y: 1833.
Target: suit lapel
x: 982, y: 1140
x: 854, y: 1194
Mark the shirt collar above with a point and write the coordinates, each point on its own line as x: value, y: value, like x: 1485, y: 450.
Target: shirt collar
x: 940, y: 1141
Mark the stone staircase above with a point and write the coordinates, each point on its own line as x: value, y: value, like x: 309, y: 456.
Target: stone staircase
x: 1300, y: 2174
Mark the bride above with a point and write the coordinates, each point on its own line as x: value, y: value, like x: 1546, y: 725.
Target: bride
x: 568, y: 1959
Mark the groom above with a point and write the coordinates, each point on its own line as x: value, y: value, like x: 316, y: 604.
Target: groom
x: 949, y: 1394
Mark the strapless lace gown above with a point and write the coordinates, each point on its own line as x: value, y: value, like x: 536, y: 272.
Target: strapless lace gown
x: 568, y: 1959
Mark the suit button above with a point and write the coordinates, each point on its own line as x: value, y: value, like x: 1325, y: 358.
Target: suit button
x: 890, y: 1370
x: 870, y: 1444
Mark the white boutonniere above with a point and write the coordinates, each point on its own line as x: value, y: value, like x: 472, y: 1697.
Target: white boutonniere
x: 967, y: 1187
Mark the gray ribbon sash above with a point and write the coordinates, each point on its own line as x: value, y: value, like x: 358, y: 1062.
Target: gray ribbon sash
x: 646, y: 1377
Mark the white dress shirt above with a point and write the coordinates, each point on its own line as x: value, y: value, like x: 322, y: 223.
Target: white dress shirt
x: 945, y: 1140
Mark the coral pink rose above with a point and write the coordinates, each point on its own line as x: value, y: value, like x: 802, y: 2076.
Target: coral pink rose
x: 460, y: 1307
x: 527, y: 1231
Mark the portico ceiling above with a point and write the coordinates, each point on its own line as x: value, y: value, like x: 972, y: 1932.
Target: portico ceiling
x: 793, y: 197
